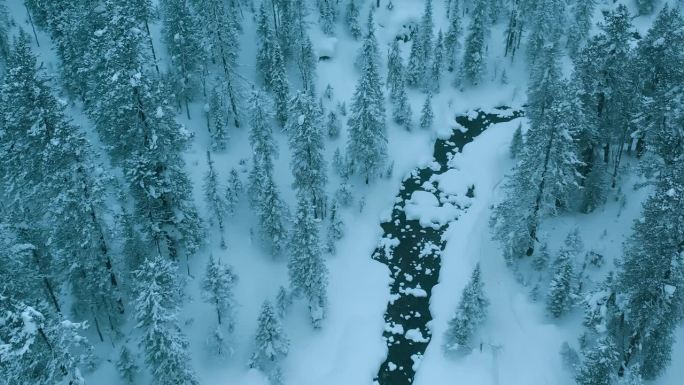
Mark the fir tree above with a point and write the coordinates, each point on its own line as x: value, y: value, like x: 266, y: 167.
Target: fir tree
x: 427, y: 115
x: 516, y: 142
x: 271, y: 343
x: 271, y: 213
x: 367, y: 143
x: 306, y: 62
x: 541, y: 257
x: 414, y: 68
x: 215, y: 201
x: 547, y: 21
x: 156, y: 309
x: 646, y: 6
x: 217, y: 290
x: 306, y: 144
x: 326, y: 16
x: 426, y: 31
x: 471, y: 312
x: 263, y: 146
x: 307, y: 270
x: 265, y: 40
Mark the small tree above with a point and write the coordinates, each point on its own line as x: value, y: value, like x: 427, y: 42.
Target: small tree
x: 472, y: 311
x: 352, y: 20
x: 216, y: 202
x: 332, y: 125
x: 233, y: 191
x: 599, y: 364
x: 126, y: 366
x: 560, y: 288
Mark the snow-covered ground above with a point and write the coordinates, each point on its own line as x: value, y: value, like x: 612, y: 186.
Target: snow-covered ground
x: 520, y: 345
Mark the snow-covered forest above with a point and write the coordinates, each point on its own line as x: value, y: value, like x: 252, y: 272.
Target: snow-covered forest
x: 341, y: 192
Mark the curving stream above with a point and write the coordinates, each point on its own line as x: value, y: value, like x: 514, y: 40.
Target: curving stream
x: 412, y: 253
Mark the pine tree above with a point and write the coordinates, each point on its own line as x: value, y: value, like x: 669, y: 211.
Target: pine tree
x: 326, y: 16
x: 50, y: 176
x: 126, y: 366
x: 306, y: 62
x: 471, y: 312
x: 215, y: 201
x: 599, y: 364
x: 414, y: 68
x: 581, y: 24
x: 437, y: 62
x: 395, y: 70
x: 474, y: 59
x: 335, y: 228
x: 426, y: 31
x: 233, y: 191
x: 156, y: 309
x: 541, y: 257
x: 38, y: 346
x: 547, y: 21
x: 646, y: 7
x: 265, y: 41
x: 306, y: 144
x: 560, y: 288
x: 401, y: 109
x: 332, y: 125
x: 352, y: 20
x: 217, y: 290
x: 427, y: 115
x: 541, y: 185
x: 651, y: 275
x: 264, y: 148
x: 307, y: 270
x: 217, y: 120
x: 367, y: 143
x: 182, y: 36
x: 278, y: 84
x: 516, y: 142
x: 452, y: 43
x: 271, y: 343
x: 271, y: 213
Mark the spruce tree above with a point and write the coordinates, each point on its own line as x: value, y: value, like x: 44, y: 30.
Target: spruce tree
x: 326, y: 17
x: 646, y: 6
x: 471, y: 312
x: 367, y: 143
x: 427, y: 26
x: 156, y: 314
x: 264, y: 148
x: 265, y: 40
x: 306, y: 144
x: 306, y: 62
x: 427, y: 115
x: 395, y: 69
x: 306, y: 267
x: 217, y: 290
x: 414, y: 68
x: 547, y: 21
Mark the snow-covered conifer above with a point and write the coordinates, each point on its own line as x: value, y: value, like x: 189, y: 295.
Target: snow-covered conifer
x: 217, y: 290
x: 471, y: 312
x: 427, y: 115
